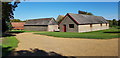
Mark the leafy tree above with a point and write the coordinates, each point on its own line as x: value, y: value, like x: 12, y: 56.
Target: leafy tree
x: 59, y: 18
x: 7, y: 14
x: 15, y: 20
x: 89, y: 14
x: 119, y: 22
x: 114, y: 22
x: 110, y: 23
x: 83, y: 12
x: 24, y: 21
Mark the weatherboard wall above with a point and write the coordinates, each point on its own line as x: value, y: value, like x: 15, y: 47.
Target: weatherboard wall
x: 36, y: 28
x: 66, y: 22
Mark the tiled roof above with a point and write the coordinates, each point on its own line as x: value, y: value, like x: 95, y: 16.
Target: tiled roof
x: 41, y: 21
x: 87, y: 19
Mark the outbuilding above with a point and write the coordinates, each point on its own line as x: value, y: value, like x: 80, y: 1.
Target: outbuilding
x: 18, y: 25
x: 82, y: 23
x: 42, y: 24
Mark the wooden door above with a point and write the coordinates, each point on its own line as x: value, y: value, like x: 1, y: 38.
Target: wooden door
x: 64, y: 28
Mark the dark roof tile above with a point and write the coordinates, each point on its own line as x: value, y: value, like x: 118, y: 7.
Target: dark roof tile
x: 87, y: 19
x: 41, y: 21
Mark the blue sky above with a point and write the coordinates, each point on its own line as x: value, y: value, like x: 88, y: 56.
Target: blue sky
x: 63, y: 0
x: 34, y: 10
x: 71, y: 0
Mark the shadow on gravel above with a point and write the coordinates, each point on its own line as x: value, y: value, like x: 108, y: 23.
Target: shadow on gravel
x: 34, y: 53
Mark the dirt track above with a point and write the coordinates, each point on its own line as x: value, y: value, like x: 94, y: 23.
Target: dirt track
x: 68, y: 46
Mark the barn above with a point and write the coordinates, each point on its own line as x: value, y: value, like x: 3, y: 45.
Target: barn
x: 42, y: 24
x: 18, y: 25
x: 82, y: 23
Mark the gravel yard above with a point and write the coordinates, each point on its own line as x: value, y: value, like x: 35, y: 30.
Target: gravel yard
x: 68, y: 46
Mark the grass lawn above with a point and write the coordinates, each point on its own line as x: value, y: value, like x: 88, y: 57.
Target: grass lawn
x: 8, y: 44
x: 102, y: 34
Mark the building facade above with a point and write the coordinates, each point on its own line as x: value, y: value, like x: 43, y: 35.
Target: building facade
x: 42, y: 24
x: 18, y: 25
x: 82, y: 23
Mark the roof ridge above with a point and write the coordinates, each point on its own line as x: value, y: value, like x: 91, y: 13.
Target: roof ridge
x: 40, y: 19
x: 84, y: 14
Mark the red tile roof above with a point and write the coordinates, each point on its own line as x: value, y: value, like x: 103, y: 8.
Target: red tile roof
x: 18, y: 25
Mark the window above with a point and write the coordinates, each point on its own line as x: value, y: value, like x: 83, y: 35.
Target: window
x: 101, y: 24
x: 71, y: 25
x: 90, y: 25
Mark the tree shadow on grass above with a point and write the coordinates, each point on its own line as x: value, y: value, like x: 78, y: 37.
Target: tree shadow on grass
x: 16, y: 32
x: 34, y: 53
x: 11, y: 33
x: 8, y: 35
x: 6, y: 51
x: 113, y: 32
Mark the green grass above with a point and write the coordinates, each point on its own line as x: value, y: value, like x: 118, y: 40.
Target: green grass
x: 102, y: 34
x: 8, y: 44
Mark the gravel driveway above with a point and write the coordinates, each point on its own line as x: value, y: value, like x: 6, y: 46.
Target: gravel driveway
x: 68, y: 46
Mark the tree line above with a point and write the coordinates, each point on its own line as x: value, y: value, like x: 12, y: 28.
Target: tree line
x: 85, y: 13
x: 114, y: 22
x: 17, y: 20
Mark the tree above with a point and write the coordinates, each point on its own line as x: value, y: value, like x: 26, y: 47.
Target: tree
x: 59, y: 18
x: 83, y: 12
x: 15, y: 20
x: 119, y: 22
x: 114, y: 22
x: 110, y: 23
x: 25, y: 20
x: 7, y: 14
x: 89, y: 14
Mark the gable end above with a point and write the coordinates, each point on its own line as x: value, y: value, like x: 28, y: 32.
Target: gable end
x: 70, y: 18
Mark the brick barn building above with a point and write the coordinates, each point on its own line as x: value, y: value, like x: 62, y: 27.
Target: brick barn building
x: 18, y: 25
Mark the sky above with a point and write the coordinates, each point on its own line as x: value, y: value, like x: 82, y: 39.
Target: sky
x: 68, y: 0
x: 35, y: 10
